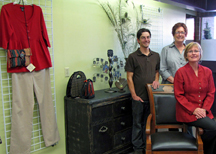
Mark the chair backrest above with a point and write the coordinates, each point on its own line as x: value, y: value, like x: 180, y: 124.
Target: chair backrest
x: 162, y: 107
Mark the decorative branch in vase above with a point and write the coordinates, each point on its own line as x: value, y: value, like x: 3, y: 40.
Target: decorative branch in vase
x: 126, y: 19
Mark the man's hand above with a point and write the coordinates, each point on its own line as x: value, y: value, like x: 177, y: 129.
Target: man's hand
x: 199, y: 113
x: 137, y: 98
x: 155, y: 84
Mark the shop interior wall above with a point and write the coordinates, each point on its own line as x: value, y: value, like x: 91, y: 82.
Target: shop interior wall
x: 82, y: 32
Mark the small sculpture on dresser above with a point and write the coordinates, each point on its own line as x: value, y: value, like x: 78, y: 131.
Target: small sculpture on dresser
x: 121, y: 83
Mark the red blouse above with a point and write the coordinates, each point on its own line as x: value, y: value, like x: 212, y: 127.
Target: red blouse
x: 13, y: 34
x: 192, y: 92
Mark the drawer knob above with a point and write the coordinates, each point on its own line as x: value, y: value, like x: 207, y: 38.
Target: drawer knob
x: 103, y: 129
x: 123, y: 123
x: 123, y: 108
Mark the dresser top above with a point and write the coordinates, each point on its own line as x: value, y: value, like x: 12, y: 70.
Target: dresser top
x: 101, y: 95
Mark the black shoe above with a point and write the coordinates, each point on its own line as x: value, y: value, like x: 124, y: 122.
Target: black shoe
x: 54, y: 144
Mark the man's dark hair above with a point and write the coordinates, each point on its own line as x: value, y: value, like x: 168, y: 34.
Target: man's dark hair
x: 139, y: 33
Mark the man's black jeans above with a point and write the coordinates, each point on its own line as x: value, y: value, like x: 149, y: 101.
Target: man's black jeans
x: 140, y: 112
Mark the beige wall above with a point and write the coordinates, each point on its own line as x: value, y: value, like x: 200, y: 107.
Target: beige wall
x: 82, y: 32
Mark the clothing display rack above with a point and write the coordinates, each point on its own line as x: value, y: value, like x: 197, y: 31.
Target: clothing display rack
x: 154, y: 18
x: 37, y: 142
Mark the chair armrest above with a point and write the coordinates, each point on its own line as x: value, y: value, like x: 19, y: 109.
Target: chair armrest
x: 199, y: 132
x: 148, y: 124
x: 148, y: 133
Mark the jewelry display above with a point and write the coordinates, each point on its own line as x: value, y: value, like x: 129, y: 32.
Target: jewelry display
x: 103, y: 68
x: 108, y: 71
x: 110, y: 55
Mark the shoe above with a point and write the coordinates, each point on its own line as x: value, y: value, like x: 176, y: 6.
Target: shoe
x: 54, y: 144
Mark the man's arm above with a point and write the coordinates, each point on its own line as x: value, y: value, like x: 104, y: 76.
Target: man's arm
x: 131, y: 87
x: 155, y: 83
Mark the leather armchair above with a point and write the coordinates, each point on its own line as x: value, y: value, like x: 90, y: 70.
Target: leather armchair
x: 163, y: 116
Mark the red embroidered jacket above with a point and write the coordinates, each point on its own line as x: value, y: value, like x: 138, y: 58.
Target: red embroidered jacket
x: 13, y: 34
x: 192, y: 92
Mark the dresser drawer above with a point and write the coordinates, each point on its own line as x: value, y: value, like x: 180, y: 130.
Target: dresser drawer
x: 102, y: 113
x: 99, y: 125
x: 122, y: 107
x: 123, y: 137
x: 102, y: 137
x: 122, y: 123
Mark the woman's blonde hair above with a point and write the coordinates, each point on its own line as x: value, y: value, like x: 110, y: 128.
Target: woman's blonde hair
x: 189, y: 46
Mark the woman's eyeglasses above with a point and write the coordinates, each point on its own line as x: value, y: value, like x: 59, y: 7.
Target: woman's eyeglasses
x: 191, y: 51
x: 183, y: 33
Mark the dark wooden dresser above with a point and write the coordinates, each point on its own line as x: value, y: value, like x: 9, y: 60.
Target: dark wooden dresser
x: 101, y: 125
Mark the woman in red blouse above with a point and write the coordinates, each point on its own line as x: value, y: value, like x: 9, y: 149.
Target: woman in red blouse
x: 194, y: 91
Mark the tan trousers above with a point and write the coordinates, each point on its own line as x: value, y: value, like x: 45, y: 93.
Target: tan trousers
x: 24, y: 85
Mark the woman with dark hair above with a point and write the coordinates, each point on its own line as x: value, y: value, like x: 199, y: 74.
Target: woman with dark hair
x: 172, y: 55
x: 194, y: 92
